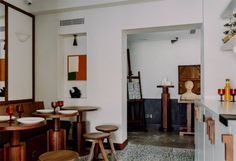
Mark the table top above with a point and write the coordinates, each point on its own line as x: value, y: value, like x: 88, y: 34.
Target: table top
x: 163, y: 86
x: 217, y: 107
x: 52, y: 115
x: 81, y: 108
x: 16, y: 126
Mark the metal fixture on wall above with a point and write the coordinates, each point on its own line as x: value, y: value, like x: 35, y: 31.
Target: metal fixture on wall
x: 22, y: 37
x: 174, y: 40
x: 75, y: 41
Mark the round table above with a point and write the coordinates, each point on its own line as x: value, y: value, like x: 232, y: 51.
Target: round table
x: 15, y: 151
x: 56, y: 136
x: 79, y: 126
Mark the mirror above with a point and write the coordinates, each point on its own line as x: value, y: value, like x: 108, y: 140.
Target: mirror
x: 16, y: 54
x: 2, y: 52
x: 20, y: 64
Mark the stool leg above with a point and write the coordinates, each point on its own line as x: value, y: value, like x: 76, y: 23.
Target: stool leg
x: 90, y: 157
x: 104, y: 154
x: 113, y: 151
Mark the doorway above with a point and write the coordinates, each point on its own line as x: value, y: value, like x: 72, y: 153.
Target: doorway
x: 157, y: 53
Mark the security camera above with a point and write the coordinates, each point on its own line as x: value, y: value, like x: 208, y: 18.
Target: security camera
x: 28, y: 2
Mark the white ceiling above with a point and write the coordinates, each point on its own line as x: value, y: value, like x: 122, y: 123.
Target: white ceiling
x: 53, y: 6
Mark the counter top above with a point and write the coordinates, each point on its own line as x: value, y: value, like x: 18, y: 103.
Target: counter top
x: 225, y: 111
x: 218, y: 107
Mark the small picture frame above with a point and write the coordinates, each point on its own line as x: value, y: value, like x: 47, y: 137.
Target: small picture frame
x: 77, y: 67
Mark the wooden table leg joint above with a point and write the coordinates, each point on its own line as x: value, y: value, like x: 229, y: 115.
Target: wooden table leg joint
x: 227, y: 139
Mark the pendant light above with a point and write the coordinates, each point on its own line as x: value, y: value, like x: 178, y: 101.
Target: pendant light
x: 75, y: 41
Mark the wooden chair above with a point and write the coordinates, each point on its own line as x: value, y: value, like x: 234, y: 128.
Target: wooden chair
x: 60, y: 155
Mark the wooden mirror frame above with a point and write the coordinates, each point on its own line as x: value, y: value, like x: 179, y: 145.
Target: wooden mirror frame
x: 8, y: 5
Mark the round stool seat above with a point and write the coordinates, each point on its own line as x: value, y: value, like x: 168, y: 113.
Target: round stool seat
x: 107, y: 128
x: 62, y: 155
x: 96, y: 135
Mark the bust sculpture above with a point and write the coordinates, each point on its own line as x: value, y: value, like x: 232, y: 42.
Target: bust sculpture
x: 189, y: 95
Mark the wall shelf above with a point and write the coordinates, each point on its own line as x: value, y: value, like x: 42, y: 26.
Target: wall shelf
x: 230, y: 45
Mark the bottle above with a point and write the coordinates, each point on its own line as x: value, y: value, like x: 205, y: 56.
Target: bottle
x: 227, y: 96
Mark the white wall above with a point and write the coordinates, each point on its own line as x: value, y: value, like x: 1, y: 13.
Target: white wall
x: 158, y: 59
x: 105, y: 28
x: 19, y: 56
x: 69, y: 49
x: 46, y: 59
x: 218, y: 64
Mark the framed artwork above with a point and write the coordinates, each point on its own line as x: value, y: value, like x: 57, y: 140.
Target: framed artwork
x: 192, y: 73
x: 134, y: 90
x: 77, y: 67
x: 2, y: 69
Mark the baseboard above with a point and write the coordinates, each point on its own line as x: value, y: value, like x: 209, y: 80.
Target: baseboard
x: 121, y: 146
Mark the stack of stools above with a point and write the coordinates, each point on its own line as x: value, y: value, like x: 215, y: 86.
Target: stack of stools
x: 98, y: 137
x: 108, y: 129
x: 60, y: 155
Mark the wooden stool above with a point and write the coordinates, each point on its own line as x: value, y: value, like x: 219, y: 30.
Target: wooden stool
x: 60, y: 155
x: 109, y: 129
x: 97, y: 139
x: 106, y: 128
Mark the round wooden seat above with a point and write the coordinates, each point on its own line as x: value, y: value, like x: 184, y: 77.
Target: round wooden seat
x: 96, y: 135
x: 62, y: 155
x: 107, y: 128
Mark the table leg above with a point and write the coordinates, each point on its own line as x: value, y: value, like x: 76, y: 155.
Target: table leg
x: 188, y: 129
x: 15, y: 151
x: 189, y: 117
x: 57, y: 140
x: 166, y: 125
x: 78, y: 132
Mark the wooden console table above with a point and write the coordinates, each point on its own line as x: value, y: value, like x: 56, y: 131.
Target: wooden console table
x: 165, y: 107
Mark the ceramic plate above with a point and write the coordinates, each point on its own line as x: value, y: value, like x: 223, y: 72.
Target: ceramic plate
x: 45, y: 111
x: 67, y: 111
x: 6, y: 118
x: 30, y: 120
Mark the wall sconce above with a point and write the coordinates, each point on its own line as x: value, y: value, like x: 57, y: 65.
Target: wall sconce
x: 22, y: 37
x: 174, y: 40
x: 75, y: 41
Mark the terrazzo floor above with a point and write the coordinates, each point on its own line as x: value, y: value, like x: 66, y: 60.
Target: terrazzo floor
x: 156, y: 146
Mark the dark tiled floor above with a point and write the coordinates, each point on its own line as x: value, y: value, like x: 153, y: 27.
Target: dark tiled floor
x: 165, y: 139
